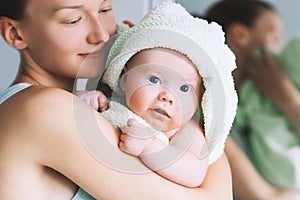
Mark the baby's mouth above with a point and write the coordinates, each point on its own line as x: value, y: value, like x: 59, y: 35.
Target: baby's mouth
x: 162, y: 112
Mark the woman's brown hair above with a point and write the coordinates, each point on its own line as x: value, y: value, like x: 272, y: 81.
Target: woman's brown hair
x: 14, y: 9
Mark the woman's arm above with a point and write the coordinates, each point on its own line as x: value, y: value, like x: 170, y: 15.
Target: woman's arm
x: 187, y: 167
x: 76, y: 141
x: 247, y: 183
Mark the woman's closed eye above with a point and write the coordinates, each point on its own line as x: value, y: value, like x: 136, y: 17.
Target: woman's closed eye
x: 73, y: 21
x: 105, y: 10
x: 154, y: 80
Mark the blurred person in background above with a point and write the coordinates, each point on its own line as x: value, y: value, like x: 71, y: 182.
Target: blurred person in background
x: 267, y: 124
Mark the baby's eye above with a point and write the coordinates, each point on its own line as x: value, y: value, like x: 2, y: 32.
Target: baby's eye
x: 184, y: 88
x: 154, y: 79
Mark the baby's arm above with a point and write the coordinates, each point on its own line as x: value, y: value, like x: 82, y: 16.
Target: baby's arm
x: 94, y: 98
x: 184, y: 161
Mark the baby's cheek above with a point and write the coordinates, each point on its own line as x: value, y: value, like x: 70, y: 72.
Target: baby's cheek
x: 188, y: 107
x: 136, y: 102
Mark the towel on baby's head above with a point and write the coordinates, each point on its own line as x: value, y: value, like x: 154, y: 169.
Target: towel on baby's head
x: 170, y: 26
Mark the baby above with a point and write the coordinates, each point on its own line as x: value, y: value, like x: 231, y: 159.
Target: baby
x: 155, y: 70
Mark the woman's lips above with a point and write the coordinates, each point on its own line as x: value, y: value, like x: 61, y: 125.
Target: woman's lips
x: 94, y: 54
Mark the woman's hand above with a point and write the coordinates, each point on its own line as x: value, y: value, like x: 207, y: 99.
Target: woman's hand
x: 274, y: 84
x: 281, y: 194
x: 129, y: 23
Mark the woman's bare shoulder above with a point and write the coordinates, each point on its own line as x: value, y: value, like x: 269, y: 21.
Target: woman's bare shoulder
x: 50, y: 110
x: 35, y: 112
x: 46, y: 97
x: 39, y: 113
x: 35, y: 107
x: 34, y: 97
x: 53, y: 119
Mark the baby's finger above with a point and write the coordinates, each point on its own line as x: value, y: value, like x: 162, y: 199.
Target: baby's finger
x: 102, y: 100
x: 125, y: 129
x: 123, y: 147
x: 103, y: 108
x: 94, y: 103
x: 123, y: 137
x: 103, y: 104
x: 133, y: 131
x: 129, y: 150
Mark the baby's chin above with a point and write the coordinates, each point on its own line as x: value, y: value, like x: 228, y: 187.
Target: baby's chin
x: 162, y: 125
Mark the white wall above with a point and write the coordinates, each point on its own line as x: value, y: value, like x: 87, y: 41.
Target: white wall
x: 288, y: 10
x: 133, y: 10
x: 9, y: 60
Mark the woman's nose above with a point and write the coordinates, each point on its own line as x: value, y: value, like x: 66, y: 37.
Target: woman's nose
x: 98, y: 32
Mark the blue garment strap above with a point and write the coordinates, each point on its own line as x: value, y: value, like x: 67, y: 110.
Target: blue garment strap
x: 5, y: 94
x: 82, y: 195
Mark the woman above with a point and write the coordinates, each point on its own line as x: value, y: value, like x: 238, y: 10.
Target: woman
x: 253, y: 29
x: 42, y: 151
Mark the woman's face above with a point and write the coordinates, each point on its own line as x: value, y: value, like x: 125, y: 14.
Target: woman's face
x: 63, y: 35
x: 267, y: 31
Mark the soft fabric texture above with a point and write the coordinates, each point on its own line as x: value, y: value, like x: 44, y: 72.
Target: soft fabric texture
x: 274, y: 144
x: 170, y: 26
x: 118, y: 115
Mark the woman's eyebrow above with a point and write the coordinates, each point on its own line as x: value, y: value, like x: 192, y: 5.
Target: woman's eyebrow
x: 69, y: 7
x: 66, y: 7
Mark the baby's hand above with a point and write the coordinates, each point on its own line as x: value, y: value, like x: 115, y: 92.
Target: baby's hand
x: 135, y: 137
x: 94, y: 98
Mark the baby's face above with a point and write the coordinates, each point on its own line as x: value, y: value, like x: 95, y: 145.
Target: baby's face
x: 163, y: 87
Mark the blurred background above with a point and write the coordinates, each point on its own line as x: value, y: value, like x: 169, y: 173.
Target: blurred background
x: 134, y: 10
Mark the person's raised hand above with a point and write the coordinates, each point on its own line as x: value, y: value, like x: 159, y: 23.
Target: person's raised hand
x: 273, y: 83
x: 266, y: 75
x: 282, y: 194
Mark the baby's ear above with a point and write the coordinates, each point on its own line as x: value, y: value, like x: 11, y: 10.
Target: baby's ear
x: 123, y: 79
x: 11, y: 33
